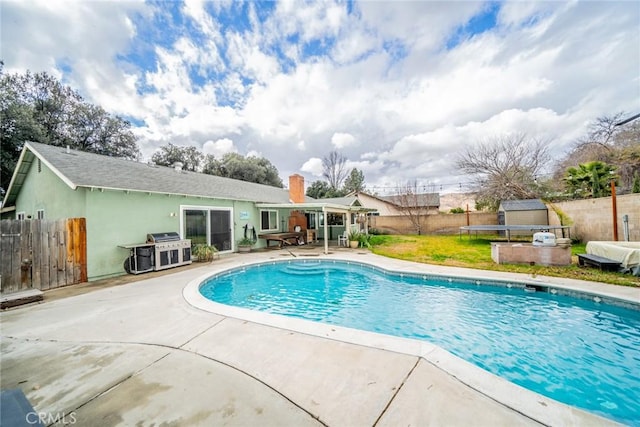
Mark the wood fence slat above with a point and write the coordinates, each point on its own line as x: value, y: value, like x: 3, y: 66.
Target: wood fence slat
x: 7, y: 256
x: 53, y: 255
x: 82, y: 249
x: 46, y: 257
x: 70, y: 252
x: 79, y: 249
x: 36, y: 254
x: 60, y: 227
x: 25, y: 255
x: 16, y: 261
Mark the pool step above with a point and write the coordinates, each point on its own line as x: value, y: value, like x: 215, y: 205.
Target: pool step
x: 310, y: 268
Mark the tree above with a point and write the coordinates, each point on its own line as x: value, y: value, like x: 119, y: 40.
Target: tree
x: 635, y: 188
x: 413, y: 204
x: 334, y: 169
x: 612, y: 140
x: 93, y: 129
x: 251, y: 169
x: 170, y: 154
x: 505, y: 168
x: 354, y: 182
x: 322, y: 190
x: 211, y: 166
x: 37, y: 107
x: 591, y: 179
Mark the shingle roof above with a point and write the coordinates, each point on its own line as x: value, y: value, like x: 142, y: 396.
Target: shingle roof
x: 83, y: 169
x: 346, y: 200
x: 523, y: 205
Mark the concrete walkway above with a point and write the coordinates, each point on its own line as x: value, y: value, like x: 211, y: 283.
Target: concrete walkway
x: 140, y: 354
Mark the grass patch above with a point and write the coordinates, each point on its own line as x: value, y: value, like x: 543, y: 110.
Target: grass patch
x: 475, y: 252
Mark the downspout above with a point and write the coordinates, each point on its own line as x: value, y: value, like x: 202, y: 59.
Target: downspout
x: 326, y: 231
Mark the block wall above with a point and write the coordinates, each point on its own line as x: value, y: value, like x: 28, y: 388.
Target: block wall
x: 593, y: 218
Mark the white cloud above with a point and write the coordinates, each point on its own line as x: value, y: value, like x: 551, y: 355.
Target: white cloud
x: 313, y: 166
x: 195, y: 9
x: 342, y: 140
x: 219, y: 148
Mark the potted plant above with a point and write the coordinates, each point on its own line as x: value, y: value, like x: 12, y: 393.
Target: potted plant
x: 354, y: 239
x: 245, y: 245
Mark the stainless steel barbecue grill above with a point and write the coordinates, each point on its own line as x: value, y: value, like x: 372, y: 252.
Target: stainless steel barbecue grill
x: 160, y: 251
x: 170, y: 250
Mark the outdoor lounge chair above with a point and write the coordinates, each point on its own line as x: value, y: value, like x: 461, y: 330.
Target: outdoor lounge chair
x: 343, y: 239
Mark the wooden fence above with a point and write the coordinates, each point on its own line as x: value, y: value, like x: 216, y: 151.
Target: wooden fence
x: 40, y: 254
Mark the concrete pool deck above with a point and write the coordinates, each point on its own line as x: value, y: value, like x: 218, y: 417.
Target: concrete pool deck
x: 140, y: 354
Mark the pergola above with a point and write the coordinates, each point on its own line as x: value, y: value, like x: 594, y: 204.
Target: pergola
x: 324, y: 208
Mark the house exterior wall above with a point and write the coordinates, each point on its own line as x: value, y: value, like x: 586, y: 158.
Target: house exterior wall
x: 116, y: 217
x: 42, y: 189
x: 384, y: 208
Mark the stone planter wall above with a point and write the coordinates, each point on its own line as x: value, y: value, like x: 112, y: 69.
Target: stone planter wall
x: 526, y: 253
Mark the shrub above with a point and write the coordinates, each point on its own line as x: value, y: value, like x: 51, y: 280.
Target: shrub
x: 204, y: 252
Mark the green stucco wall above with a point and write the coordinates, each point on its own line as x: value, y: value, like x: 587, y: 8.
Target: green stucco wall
x: 42, y: 189
x: 116, y: 217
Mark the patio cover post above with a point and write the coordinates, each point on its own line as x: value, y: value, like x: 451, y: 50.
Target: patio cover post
x: 326, y: 231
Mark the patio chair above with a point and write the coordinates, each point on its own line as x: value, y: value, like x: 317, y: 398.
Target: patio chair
x: 343, y: 239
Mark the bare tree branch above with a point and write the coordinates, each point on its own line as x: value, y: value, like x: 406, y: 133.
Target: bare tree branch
x: 413, y: 204
x: 505, y: 167
x: 334, y: 169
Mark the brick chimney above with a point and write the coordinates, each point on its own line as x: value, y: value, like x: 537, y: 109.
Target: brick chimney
x: 296, y: 188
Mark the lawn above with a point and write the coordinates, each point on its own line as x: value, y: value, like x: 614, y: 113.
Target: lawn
x: 475, y: 252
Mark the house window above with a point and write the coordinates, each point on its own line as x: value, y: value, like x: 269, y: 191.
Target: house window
x: 20, y: 215
x: 335, y: 219
x: 269, y: 220
x: 40, y: 213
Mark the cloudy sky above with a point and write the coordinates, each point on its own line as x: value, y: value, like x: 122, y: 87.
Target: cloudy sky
x: 398, y: 87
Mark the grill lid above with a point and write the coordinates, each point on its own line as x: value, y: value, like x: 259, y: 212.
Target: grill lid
x: 170, y: 236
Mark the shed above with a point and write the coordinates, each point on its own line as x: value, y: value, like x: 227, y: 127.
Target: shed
x: 523, y: 212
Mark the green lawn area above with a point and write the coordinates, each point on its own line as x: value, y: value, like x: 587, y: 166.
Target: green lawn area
x: 475, y: 252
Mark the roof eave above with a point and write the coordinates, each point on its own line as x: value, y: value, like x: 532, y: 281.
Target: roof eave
x: 315, y: 205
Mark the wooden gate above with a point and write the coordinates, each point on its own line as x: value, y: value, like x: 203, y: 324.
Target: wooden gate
x: 40, y: 254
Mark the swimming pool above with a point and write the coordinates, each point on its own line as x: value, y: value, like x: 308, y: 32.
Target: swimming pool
x: 578, y: 351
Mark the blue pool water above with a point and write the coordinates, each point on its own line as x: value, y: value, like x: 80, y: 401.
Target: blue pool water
x: 578, y: 351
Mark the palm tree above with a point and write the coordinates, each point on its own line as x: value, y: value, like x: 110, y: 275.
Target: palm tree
x: 591, y: 179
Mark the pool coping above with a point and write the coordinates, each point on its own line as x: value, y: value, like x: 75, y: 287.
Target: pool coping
x: 529, y: 403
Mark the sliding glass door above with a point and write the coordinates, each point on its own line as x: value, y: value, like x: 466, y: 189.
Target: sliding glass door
x: 210, y: 226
